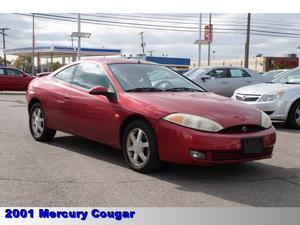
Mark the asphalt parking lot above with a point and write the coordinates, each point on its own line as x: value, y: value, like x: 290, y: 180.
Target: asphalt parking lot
x: 72, y: 171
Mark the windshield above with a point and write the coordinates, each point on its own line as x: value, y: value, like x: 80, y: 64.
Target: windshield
x: 194, y: 73
x: 145, y: 78
x: 292, y: 77
x: 272, y: 73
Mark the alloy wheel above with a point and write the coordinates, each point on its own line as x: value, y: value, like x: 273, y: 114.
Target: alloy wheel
x: 137, y: 147
x: 297, y: 115
x: 37, y: 122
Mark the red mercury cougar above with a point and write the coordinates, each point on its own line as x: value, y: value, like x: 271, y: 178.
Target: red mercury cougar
x: 150, y: 112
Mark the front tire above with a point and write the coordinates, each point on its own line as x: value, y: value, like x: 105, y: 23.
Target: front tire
x: 140, y: 147
x: 294, y: 115
x: 37, y: 124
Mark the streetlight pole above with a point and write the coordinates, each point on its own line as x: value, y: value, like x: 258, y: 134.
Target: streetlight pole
x: 200, y: 34
x: 208, y: 56
x: 3, y: 38
x: 247, y: 41
x: 33, y: 45
x: 78, y: 38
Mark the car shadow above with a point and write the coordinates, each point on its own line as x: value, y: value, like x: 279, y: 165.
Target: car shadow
x: 12, y: 93
x: 281, y: 126
x: 254, y: 184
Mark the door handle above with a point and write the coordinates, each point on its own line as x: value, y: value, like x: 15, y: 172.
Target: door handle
x: 67, y: 97
x: 224, y: 82
x: 249, y: 81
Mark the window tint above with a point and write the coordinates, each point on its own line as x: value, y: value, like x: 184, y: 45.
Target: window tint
x: 2, y: 72
x: 66, y: 74
x: 89, y: 75
x: 236, y: 73
x: 218, y: 73
x: 147, y: 76
x: 13, y: 72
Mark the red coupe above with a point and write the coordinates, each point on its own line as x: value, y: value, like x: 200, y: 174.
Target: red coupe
x: 149, y: 111
x: 12, y: 79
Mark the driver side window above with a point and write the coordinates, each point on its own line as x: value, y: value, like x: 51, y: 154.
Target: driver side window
x: 89, y: 75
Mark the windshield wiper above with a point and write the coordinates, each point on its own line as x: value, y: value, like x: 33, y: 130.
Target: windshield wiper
x: 270, y: 82
x: 145, y: 89
x: 181, y: 89
x: 291, y: 83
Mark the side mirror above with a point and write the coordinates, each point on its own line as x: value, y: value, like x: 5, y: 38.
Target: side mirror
x: 205, y: 77
x: 100, y: 90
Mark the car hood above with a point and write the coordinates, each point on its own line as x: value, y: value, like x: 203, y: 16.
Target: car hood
x: 223, y: 110
x: 264, y: 88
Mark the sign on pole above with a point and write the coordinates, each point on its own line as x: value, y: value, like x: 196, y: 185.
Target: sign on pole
x: 208, y: 34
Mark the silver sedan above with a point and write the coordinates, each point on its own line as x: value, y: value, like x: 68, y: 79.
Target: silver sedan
x: 280, y: 98
x: 224, y: 80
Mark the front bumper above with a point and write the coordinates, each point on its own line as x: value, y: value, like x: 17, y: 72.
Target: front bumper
x: 175, y: 143
x: 275, y: 109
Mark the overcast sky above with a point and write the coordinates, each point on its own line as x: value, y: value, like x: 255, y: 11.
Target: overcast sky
x: 174, y: 43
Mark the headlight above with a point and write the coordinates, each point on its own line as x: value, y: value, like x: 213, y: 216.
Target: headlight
x: 272, y: 96
x: 194, y: 122
x: 265, y: 120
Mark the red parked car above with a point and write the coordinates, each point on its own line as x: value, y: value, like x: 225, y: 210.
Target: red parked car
x: 116, y: 102
x: 12, y: 79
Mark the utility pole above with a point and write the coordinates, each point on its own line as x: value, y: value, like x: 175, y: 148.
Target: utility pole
x: 33, y: 45
x: 143, y: 44
x: 78, y: 38
x: 200, y: 38
x: 3, y: 38
x: 247, y: 41
x: 208, y: 49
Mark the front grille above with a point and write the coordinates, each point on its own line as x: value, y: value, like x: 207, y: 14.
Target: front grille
x: 238, y: 155
x: 268, y: 112
x: 247, y: 98
x: 241, y: 129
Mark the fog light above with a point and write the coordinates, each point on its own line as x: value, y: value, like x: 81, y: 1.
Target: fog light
x: 198, y: 155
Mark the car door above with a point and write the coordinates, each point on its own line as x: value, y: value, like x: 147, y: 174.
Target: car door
x: 2, y: 79
x: 238, y: 78
x: 55, y: 104
x: 215, y: 80
x: 91, y: 116
x: 15, y: 79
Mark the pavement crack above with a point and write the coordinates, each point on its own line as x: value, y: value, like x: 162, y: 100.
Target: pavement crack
x: 147, y: 180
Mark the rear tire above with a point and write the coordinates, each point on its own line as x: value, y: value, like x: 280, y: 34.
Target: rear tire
x: 293, y: 120
x: 140, y: 147
x: 37, y: 124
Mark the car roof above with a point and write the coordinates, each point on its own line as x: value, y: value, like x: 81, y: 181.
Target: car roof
x: 217, y: 67
x: 117, y: 61
x: 8, y: 67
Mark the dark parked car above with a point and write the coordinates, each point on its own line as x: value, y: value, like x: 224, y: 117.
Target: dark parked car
x: 12, y: 79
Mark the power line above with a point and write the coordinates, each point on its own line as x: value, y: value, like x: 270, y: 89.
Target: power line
x: 165, y: 27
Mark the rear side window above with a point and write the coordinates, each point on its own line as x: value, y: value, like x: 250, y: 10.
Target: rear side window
x: 89, y: 75
x: 2, y: 72
x: 66, y: 74
x: 237, y: 73
x: 218, y: 73
x: 13, y: 72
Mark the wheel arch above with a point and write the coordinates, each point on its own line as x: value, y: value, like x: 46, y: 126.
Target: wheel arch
x: 33, y: 101
x: 130, y: 119
x: 290, y: 105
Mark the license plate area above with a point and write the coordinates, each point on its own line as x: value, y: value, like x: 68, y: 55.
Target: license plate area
x: 252, y: 145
